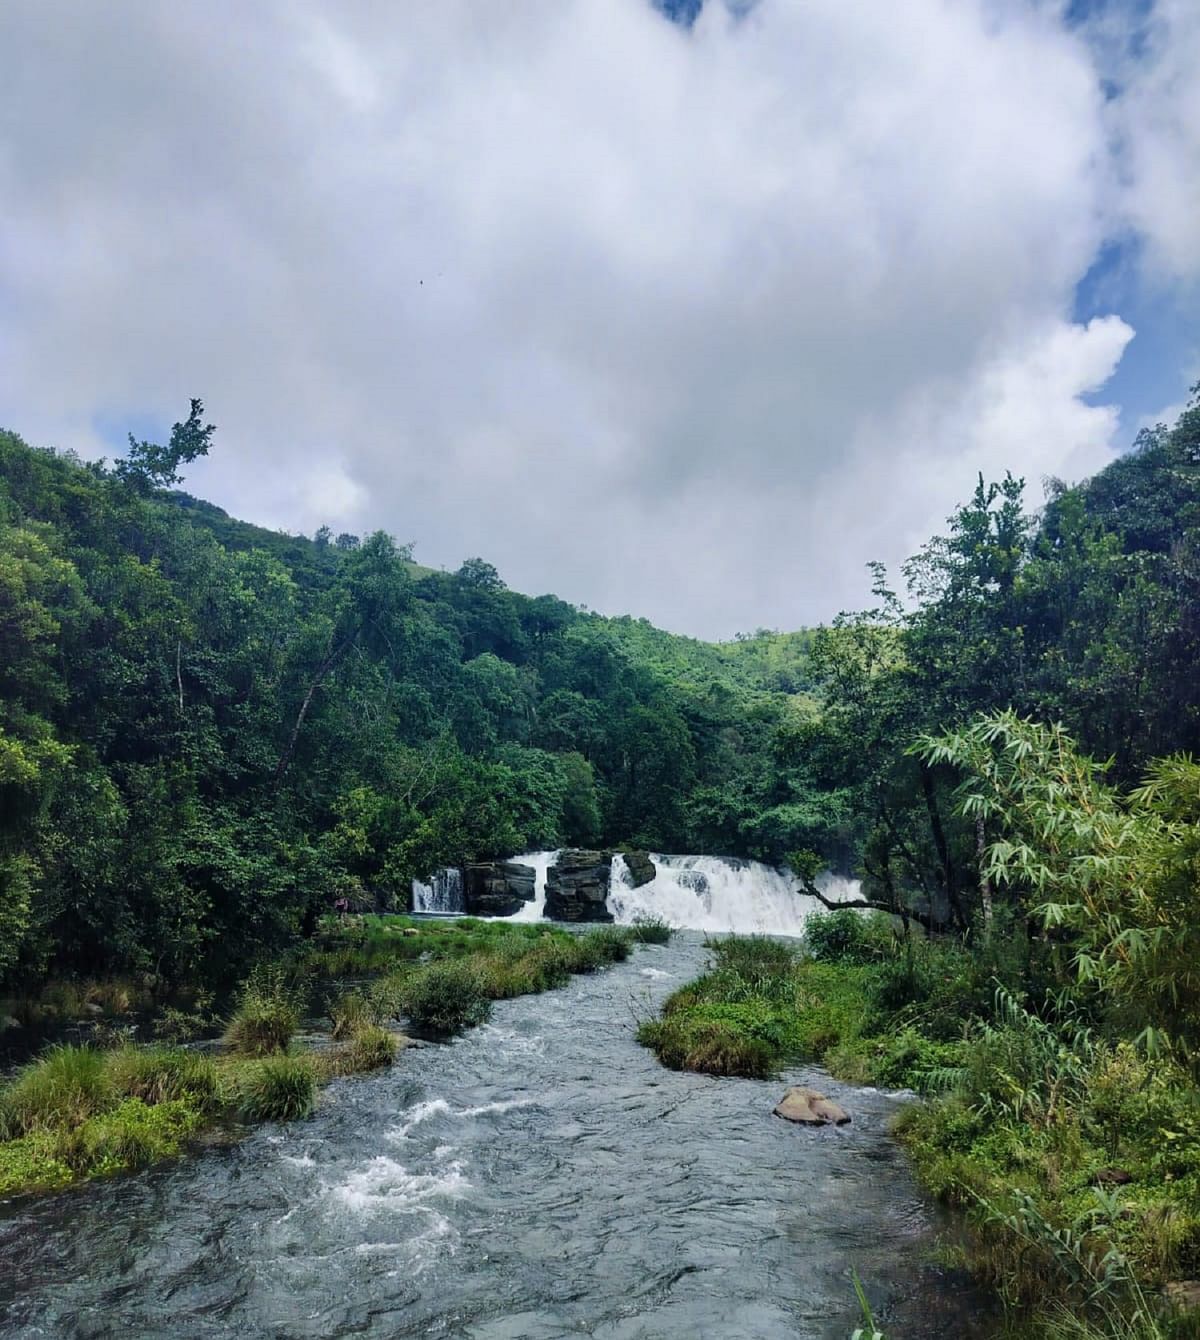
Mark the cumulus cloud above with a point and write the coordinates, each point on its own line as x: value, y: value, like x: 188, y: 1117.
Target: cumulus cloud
x: 1155, y: 120
x: 686, y: 323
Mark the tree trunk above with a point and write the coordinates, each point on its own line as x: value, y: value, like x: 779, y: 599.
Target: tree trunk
x: 985, y: 884
x: 322, y: 670
x: 943, y: 850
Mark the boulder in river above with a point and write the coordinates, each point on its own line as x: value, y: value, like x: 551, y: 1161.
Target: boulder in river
x: 810, y: 1107
x: 497, y: 888
x: 641, y: 868
x: 577, y: 886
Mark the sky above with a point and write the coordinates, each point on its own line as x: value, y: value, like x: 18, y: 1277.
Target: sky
x: 684, y: 311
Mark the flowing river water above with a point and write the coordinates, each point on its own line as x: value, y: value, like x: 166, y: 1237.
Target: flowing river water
x: 540, y: 1177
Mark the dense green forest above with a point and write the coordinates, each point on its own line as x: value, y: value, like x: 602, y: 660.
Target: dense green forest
x: 208, y: 731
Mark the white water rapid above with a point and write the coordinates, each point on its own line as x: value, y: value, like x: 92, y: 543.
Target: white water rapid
x: 442, y: 893
x: 541, y: 862
x: 720, y: 893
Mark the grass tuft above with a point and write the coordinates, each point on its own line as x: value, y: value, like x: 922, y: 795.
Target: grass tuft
x: 444, y: 999
x: 278, y: 1088
x: 266, y: 1019
x: 163, y: 1074
x: 64, y: 1088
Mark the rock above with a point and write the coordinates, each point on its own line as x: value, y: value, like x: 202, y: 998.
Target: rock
x: 577, y: 886
x: 1185, y: 1294
x: 93, y: 1009
x: 641, y: 868
x: 1112, y: 1177
x: 497, y: 888
x: 810, y: 1107
x: 8, y: 1021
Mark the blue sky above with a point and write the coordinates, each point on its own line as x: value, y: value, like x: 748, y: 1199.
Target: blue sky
x: 1162, y: 361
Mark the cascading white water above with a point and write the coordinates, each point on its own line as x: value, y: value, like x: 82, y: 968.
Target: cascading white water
x: 720, y: 893
x: 541, y: 862
x: 442, y: 893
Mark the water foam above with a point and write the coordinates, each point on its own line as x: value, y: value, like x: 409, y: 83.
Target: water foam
x: 439, y: 1107
x: 720, y: 893
x: 442, y: 892
x: 541, y: 862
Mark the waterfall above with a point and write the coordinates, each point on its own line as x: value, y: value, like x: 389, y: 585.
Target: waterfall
x: 442, y: 893
x: 541, y: 862
x: 720, y: 893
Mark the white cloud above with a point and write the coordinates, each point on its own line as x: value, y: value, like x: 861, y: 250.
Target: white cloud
x: 1156, y: 121
x: 685, y: 324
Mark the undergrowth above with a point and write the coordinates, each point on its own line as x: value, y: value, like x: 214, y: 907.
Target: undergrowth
x: 1073, y: 1152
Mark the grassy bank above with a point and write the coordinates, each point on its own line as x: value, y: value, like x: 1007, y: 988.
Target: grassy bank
x: 1074, y: 1156
x: 87, y: 1111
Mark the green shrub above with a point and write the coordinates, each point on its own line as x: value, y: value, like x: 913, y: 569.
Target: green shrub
x: 132, y: 1135
x: 370, y: 1048
x: 176, y: 1025
x: 601, y: 947
x: 444, y: 999
x: 844, y: 936
x: 279, y: 1088
x: 649, y: 930
x: 501, y: 977
x: 755, y: 958
x: 162, y: 1074
x: 553, y: 959
x: 33, y: 1163
x: 710, y: 1046
x: 62, y: 1089
x: 267, y: 1017
x: 353, y: 1012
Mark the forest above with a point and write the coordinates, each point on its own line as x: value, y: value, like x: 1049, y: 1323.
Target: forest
x: 210, y: 731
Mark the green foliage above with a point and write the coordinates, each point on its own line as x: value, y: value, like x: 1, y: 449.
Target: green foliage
x: 759, y: 1007
x: 712, y: 1046
x: 132, y: 1135
x: 278, y: 1088
x: 33, y: 1163
x: 164, y: 1074
x: 369, y: 1048
x: 444, y: 999
x: 840, y: 937
x: 351, y: 1012
x: 149, y: 464
x: 65, y: 1087
x: 650, y: 930
x: 601, y: 947
x: 757, y: 959
x: 1119, y: 874
x: 266, y: 1017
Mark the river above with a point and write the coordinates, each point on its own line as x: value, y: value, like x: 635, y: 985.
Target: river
x: 541, y: 1177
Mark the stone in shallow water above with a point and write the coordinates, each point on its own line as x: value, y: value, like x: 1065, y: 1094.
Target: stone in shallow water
x: 810, y: 1107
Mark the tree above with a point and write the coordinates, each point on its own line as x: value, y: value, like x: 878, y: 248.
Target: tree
x: 1120, y: 874
x: 150, y: 465
x: 483, y: 576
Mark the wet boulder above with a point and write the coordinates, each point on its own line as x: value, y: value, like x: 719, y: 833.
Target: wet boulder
x: 810, y: 1108
x: 641, y: 868
x: 497, y: 888
x: 577, y: 886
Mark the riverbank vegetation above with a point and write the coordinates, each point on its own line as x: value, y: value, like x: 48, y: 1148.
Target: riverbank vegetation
x: 1055, y: 1044
x: 82, y: 1111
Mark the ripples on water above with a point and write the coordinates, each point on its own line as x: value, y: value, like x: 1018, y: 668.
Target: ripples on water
x: 540, y: 1178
